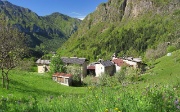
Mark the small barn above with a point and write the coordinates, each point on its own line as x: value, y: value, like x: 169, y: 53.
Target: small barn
x: 43, y: 65
x: 91, y: 70
x: 63, y: 78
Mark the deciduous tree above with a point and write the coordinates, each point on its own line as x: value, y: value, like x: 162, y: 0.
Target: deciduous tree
x: 12, y: 49
x: 57, y: 65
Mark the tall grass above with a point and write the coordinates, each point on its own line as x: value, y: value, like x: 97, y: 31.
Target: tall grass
x: 154, y: 98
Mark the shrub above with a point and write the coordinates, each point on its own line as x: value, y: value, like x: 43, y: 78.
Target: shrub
x: 171, y: 48
x: 75, y: 70
x: 120, y: 75
x: 104, y: 79
x: 133, y: 74
x: 57, y: 65
x: 90, y: 80
x: 27, y: 65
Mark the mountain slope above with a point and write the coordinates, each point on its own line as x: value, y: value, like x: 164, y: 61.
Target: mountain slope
x: 46, y: 33
x: 127, y: 27
x: 166, y: 70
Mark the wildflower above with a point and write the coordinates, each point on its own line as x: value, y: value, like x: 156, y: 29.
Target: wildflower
x: 51, y: 97
x: 176, y: 102
x: 106, y: 110
x: 116, y: 109
x: 178, y: 107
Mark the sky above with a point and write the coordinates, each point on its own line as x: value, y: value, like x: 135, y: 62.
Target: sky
x: 73, y: 8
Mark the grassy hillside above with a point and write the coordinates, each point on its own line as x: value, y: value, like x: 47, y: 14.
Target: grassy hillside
x: 158, y: 91
x: 36, y: 85
x: 166, y: 70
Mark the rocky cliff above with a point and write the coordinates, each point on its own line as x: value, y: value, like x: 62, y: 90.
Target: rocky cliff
x: 127, y: 27
x: 136, y: 8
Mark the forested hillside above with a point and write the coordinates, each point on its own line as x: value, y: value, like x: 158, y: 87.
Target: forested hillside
x: 44, y: 34
x: 127, y: 27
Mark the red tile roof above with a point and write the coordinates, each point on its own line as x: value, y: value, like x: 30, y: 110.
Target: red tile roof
x: 55, y: 74
x: 61, y: 75
x: 68, y: 75
x: 58, y: 74
x: 119, y: 62
x: 91, y: 67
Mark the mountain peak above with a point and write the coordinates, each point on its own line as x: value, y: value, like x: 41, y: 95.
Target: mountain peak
x: 4, y: 2
x: 50, y: 31
x: 57, y: 14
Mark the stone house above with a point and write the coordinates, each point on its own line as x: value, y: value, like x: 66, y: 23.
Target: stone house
x: 74, y: 64
x: 43, y: 65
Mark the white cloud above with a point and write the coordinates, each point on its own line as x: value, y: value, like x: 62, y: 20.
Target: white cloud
x: 77, y: 15
x: 81, y: 17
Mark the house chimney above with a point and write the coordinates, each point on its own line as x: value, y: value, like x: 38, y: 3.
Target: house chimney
x: 114, y: 56
x: 100, y: 60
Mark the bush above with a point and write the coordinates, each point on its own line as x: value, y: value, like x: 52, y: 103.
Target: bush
x: 171, y: 48
x: 27, y: 65
x: 133, y: 74
x: 90, y: 80
x: 75, y: 70
x: 57, y: 65
x: 120, y: 75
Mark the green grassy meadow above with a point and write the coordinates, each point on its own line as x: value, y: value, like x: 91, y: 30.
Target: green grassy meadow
x: 158, y: 91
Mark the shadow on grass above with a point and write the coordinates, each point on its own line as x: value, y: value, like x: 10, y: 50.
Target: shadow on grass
x: 33, y: 91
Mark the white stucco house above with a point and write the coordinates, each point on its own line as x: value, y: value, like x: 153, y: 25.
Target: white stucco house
x: 43, y: 65
x: 102, y: 67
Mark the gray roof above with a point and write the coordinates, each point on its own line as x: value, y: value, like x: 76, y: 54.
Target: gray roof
x: 107, y: 63
x: 137, y: 59
x: 73, y: 60
x: 46, y: 62
x: 134, y: 59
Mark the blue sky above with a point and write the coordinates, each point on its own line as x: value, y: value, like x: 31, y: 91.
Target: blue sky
x: 73, y: 8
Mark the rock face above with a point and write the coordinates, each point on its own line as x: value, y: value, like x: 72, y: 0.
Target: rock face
x: 115, y: 10
x: 39, y: 30
x: 122, y: 25
x: 135, y: 8
x: 112, y: 11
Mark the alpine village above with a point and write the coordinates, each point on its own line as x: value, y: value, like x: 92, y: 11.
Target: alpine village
x: 123, y: 57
